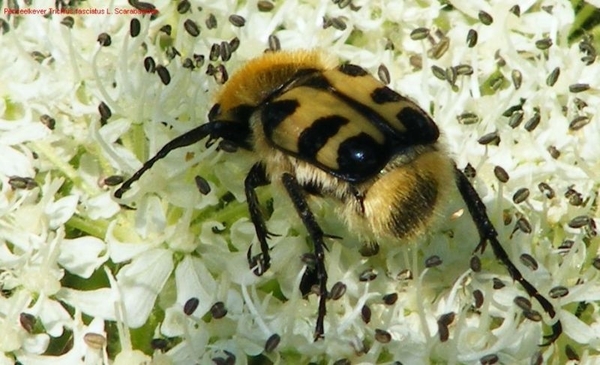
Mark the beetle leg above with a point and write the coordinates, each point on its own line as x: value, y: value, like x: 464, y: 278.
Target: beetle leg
x: 316, y: 234
x: 257, y: 177
x: 487, y: 233
x: 186, y: 139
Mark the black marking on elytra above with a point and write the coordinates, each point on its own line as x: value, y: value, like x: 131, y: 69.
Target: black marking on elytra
x: 275, y: 112
x: 313, y: 138
x: 352, y: 70
x: 419, y: 126
x: 384, y: 94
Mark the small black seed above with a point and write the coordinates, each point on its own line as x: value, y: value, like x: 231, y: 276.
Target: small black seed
x: 532, y: 315
x: 478, y: 296
x: 384, y: 74
x: 183, y: 6
x: 134, y: 27
x: 48, y: 121
x: 202, y: 185
x: 433, y: 261
x: 558, y: 292
x: 234, y: 44
x: 188, y: 63
x: 94, y: 340
x: 367, y: 275
x: 489, y: 359
x: 382, y: 336
x: 571, y: 354
x: 468, y: 118
x: 522, y: 303
x: 167, y: 29
x: 265, y: 6
x: 580, y: 221
x: 337, y: 290
x: 532, y: 123
x: 451, y: 75
x: 577, y: 88
x: 211, y: 21
x: 517, y: 78
x: 272, y: 342
x: 190, y: 306
x: 163, y: 74
x: 579, y: 122
x: 490, y: 138
x: 501, y: 174
x: 520, y: 195
x: 215, y: 52
x: 342, y: 362
x: 472, y: 38
x: 237, y: 20
x: 149, y: 64
x: 365, y: 313
x: 22, y: 183
x: 27, y: 321
x: 159, y: 343
x: 497, y: 284
x: 438, y: 72
x: 221, y: 76
x: 218, y: 310
x: 225, y: 51
x: 104, y: 39
x: 113, y: 180
x: 447, y: 318
x: 104, y: 110
x: 528, y: 261
x: 475, y: 263
x: 338, y: 23
x: 546, y: 190
x: 515, y: 119
x: 419, y: 34
x: 191, y: 27
x: 390, y: 299
x: 485, y: 18
x: 463, y: 69
x: 443, y: 332
x: 543, y: 44
x: 440, y: 48
x: 274, y: 44
x: 553, y: 77
x: 68, y: 21
x: 523, y: 225
x: 516, y: 9
x: 143, y: 6
x: 405, y: 274
x: 470, y: 171
x: 554, y: 152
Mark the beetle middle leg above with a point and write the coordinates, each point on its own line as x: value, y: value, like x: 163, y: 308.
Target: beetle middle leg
x: 316, y: 234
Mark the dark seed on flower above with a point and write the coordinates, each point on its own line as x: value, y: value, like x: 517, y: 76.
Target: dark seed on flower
x: 382, y: 336
x: 515, y: 119
x: 265, y: 6
x: 490, y: 138
x: 553, y: 77
x: 497, y: 284
x: 48, y: 121
x: 500, y: 61
x: 27, y: 321
x: 272, y: 342
x: 472, y: 38
x: 501, y: 174
x: 134, y: 27
x: 579, y: 104
x: 543, y: 44
x: 22, y: 183
x: 440, y: 48
x: 596, y: 262
x: 159, y: 343
x: 443, y: 332
x: 575, y: 198
x: 451, y: 75
x: 520, y: 195
x: 163, y: 74
x: 342, y: 362
x: 475, y: 263
x: 221, y: 76
x: 202, y: 185
x: 516, y: 10
x: 579, y: 122
x: 190, y: 306
x: 172, y: 52
x: 274, y: 44
x: 577, y: 88
x: 104, y: 110
x: 522, y: 303
x: 433, y: 261
x: 554, y: 152
x: 234, y: 44
x: 532, y: 315
x: 211, y: 21
x: 94, y: 340
x: 537, y: 358
x: 447, y: 318
x: 528, y: 261
x: 237, y: 20
x: 489, y: 359
x: 571, y: 353
x: 337, y: 290
x: 215, y: 52
x: 369, y: 249
x: 470, y: 171
x: 546, y: 190
x: 365, y: 313
x: 5, y: 27
x: 143, y: 6
x: 532, y: 123
x: 149, y: 64
x: 468, y: 118
x: 367, y: 275
x: 523, y: 225
x: 167, y: 29
x: 188, y: 63
x: 104, y: 39
x: 485, y: 18
x: 218, y: 310
x: 384, y: 74
x: 113, y: 180
x: 438, y: 72
x: 344, y: 3
x: 191, y: 27
x: 558, y: 292
x: 579, y: 221
x: 390, y: 299
x: 419, y: 34
x: 478, y: 296
x: 183, y: 6
x: 68, y: 21
x: 338, y: 23
x: 463, y: 69
x: 225, y: 51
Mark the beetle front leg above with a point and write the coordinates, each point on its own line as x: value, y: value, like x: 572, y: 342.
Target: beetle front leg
x: 257, y: 177
x: 316, y: 234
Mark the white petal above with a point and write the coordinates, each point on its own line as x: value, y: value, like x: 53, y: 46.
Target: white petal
x: 82, y: 256
x: 194, y: 280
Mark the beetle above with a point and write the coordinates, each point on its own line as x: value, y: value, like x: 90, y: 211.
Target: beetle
x: 332, y: 130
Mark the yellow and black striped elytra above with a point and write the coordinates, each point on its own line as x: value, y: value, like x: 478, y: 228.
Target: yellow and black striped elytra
x: 331, y: 130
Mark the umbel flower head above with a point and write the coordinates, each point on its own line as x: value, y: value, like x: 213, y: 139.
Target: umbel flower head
x: 90, y: 90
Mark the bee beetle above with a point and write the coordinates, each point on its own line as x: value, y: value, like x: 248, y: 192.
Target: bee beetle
x: 334, y: 130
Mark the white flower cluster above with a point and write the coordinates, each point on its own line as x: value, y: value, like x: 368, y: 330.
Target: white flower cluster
x: 86, y: 99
